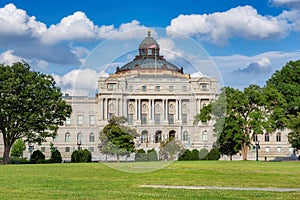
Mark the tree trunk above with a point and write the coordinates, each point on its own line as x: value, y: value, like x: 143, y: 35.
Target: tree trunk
x: 244, y: 151
x: 230, y: 156
x: 118, y: 158
x: 7, y: 148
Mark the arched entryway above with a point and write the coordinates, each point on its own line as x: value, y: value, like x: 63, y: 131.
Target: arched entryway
x: 158, y: 136
x: 172, y: 134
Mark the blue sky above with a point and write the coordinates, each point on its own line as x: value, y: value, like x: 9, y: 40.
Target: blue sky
x: 247, y: 40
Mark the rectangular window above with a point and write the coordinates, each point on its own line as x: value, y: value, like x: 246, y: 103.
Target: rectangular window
x: 130, y: 119
x: 171, y: 119
x: 184, y: 88
x: 144, y: 119
x: 157, y: 88
x: 92, y: 120
x: 267, y: 149
x: 203, y: 87
x: 111, y: 86
x: 144, y: 88
x: 67, y: 149
x: 291, y: 150
x: 43, y: 149
x: 157, y: 118
x: 130, y: 88
x: 79, y: 119
x: 68, y: 121
x: 171, y: 88
x: 184, y: 118
x: 278, y: 149
x: 110, y: 116
x: 91, y: 149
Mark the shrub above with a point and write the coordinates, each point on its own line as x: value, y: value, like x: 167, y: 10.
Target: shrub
x: 186, y: 155
x: 195, y: 154
x: 152, y: 155
x: 203, y: 154
x: 55, y: 157
x: 214, y: 154
x: 142, y: 156
x: 81, y: 156
x: 37, y: 157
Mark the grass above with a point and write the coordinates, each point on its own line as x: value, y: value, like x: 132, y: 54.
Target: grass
x: 98, y: 181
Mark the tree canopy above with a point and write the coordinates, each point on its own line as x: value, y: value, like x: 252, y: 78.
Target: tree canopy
x: 117, y: 139
x: 32, y: 106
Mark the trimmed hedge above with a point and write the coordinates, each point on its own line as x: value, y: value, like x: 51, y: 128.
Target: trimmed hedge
x: 81, y: 156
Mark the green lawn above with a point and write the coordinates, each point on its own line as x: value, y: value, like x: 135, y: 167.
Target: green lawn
x: 97, y: 181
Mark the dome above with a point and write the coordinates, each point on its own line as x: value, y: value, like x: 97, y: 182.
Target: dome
x: 149, y: 58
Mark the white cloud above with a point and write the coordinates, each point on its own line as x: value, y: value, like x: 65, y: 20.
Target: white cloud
x: 219, y: 27
x: 9, y: 58
x: 286, y: 3
x: 262, y: 66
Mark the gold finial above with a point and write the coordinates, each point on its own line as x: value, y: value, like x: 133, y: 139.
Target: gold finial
x: 149, y: 32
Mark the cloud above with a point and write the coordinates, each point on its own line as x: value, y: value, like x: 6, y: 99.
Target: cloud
x: 286, y: 3
x: 9, y: 58
x: 263, y: 66
x: 220, y: 27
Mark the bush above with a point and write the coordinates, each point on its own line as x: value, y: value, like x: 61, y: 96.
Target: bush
x: 214, y: 154
x: 55, y: 157
x: 203, y: 154
x: 186, y: 155
x: 37, y: 157
x: 195, y: 154
x: 81, y: 156
x: 19, y: 161
x: 142, y: 156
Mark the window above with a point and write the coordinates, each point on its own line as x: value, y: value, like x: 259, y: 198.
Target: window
x: 144, y: 138
x: 204, y: 136
x: 79, y: 119
x: 157, y: 88
x: 91, y: 149
x: 255, y: 139
x: 130, y: 119
x: 291, y: 150
x: 55, y: 139
x: 157, y: 136
x: 111, y: 86
x: 144, y: 88
x: 278, y: 149
x: 184, y: 118
x: 79, y: 137
x: 68, y: 121
x: 130, y: 88
x: 267, y: 149
x: 149, y: 51
x: 278, y: 137
x: 43, y: 149
x: 204, y: 87
x: 67, y: 149
x: 185, y: 136
x: 110, y: 115
x: 171, y: 88
x: 171, y: 119
x: 67, y: 137
x: 267, y: 137
x: 92, y: 120
x: 171, y: 134
x: 157, y: 118
x: 184, y: 88
x: 144, y: 119
x: 92, y: 137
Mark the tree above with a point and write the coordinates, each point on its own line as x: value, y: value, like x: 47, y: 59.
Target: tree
x: 37, y: 157
x: 117, y: 139
x: 294, y: 135
x: 81, y: 156
x: 287, y: 82
x: 169, y: 149
x: 18, y: 148
x: 241, y: 114
x: 32, y: 106
x: 55, y: 154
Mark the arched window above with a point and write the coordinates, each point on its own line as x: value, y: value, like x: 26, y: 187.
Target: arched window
x: 144, y: 137
x: 267, y: 137
x: 278, y: 137
x: 255, y: 139
x: 172, y: 135
x: 92, y: 137
x: 55, y: 138
x: 79, y: 137
x: 67, y: 137
x: 204, y: 136
x: 185, y: 136
x: 158, y: 136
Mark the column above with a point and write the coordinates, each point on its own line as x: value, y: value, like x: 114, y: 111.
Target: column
x: 176, y: 111
x: 139, y: 109
x: 166, y: 110
x: 180, y: 106
x: 105, y: 108
x: 149, y: 109
x: 136, y: 108
x: 101, y: 108
x: 152, y: 108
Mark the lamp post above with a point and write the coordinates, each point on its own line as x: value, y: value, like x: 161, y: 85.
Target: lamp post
x: 78, y: 145
x: 30, y: 149
x: 256, y: 148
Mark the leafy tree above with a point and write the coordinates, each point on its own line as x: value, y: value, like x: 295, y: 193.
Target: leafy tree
x: 117, y: 139
x: 18, y: 148
x: 254, y: 110
x: 55, y: 154
x: 81, y: 156
x: 294, y: 135
x: 169, y: 149
x: 213, y: 154
x: 37, y: 157
x: 185, y: 155
x: 32, y: 106
x: 203, y: 154
x: 287, y: 82
x: 195, y: 154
